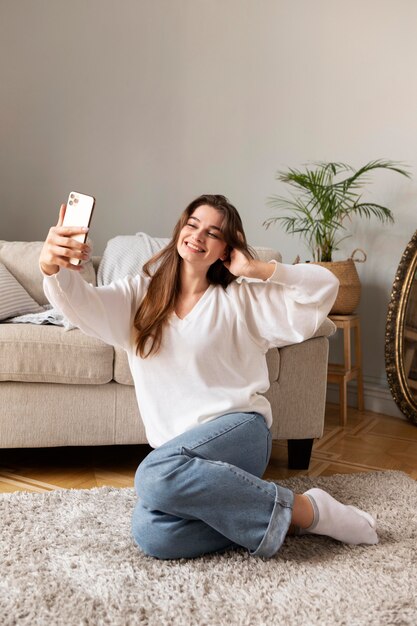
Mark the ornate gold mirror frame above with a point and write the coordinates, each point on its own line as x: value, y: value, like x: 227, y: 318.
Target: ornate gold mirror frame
x: 401, y: 334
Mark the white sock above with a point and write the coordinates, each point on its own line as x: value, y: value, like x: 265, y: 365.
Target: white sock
x: 340, y: 521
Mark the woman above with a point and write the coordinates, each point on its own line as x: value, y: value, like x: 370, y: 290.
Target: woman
x: 196, y: 341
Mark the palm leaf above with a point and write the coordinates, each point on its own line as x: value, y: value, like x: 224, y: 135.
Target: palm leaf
x: 367, y: 209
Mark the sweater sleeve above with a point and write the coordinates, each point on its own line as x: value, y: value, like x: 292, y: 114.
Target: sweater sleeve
x: 106, y: 313
x: 289, y: 306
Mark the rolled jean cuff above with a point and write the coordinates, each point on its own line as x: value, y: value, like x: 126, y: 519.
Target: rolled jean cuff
x: 278, y: 524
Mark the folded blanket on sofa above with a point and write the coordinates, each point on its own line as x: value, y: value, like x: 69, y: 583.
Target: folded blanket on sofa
x: 48, y: 316
x: 125, y: 255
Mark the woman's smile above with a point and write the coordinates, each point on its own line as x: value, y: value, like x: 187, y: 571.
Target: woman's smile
x: 193, y: 247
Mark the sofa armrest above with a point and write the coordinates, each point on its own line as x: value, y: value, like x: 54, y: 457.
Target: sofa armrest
x: 298, y: 397
x: 327, y: 329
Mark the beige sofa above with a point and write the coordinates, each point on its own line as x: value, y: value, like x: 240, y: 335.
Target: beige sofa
x: 62, y: 388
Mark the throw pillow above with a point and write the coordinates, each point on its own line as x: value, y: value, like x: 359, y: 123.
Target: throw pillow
x: 14, y: 299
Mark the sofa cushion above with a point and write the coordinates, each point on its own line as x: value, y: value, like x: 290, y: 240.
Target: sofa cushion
x: 14, y: 299
x: 31, y: 353
x: 21, y: 258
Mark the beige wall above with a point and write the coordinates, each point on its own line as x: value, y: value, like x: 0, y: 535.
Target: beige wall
x: 148, y: 103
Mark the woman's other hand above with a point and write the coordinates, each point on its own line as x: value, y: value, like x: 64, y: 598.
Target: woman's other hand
x: 239, y: 265
x: 60, y: 247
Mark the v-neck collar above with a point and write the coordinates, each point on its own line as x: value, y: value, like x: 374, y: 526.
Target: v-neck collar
x: 195, y: 309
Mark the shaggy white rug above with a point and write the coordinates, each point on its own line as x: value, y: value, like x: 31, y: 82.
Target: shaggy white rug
x: 67, y: 558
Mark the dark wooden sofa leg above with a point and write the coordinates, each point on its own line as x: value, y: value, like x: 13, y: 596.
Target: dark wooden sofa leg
x: 299, y: 453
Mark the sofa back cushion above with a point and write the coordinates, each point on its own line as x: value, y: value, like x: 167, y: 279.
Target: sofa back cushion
x: 21, y: 258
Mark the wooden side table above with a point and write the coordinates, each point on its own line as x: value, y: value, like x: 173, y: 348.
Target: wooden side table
x: 345, y: 372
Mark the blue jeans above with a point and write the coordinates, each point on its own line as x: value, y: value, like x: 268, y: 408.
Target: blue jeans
x: 202, y: 492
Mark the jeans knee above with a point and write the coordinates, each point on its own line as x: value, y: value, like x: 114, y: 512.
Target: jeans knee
x: 139, y: 476
x: 155, y: 484
x: 157, y: 549
x: 151, y: 540
x: 146, y: 480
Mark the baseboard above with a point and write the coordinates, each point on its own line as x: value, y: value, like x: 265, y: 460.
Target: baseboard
x: 377, y: 398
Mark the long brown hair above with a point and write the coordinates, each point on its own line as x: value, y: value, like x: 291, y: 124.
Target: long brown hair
x: 164, y: 287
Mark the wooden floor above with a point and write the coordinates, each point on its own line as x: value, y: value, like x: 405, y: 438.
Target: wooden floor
x: 370, y: 441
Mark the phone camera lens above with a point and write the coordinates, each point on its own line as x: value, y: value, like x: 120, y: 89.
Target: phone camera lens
x: 71, y: 195
x: 76, y: 200
x: 70, y: 202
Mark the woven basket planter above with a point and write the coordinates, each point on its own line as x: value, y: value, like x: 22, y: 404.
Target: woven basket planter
x: 349, y: 294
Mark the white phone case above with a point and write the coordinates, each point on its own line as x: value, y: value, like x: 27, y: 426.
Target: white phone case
x: 78, y: 212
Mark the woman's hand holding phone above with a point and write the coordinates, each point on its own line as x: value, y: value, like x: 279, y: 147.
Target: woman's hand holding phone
x: 61, y: 249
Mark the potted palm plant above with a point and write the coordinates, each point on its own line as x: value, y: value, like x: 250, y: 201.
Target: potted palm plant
x: 328, y: 196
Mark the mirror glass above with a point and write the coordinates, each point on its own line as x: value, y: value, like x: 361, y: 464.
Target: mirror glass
x: 401, y: 334
x: 410, y: 338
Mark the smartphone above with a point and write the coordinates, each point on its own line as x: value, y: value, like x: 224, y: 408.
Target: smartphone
x: 78, y: 212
